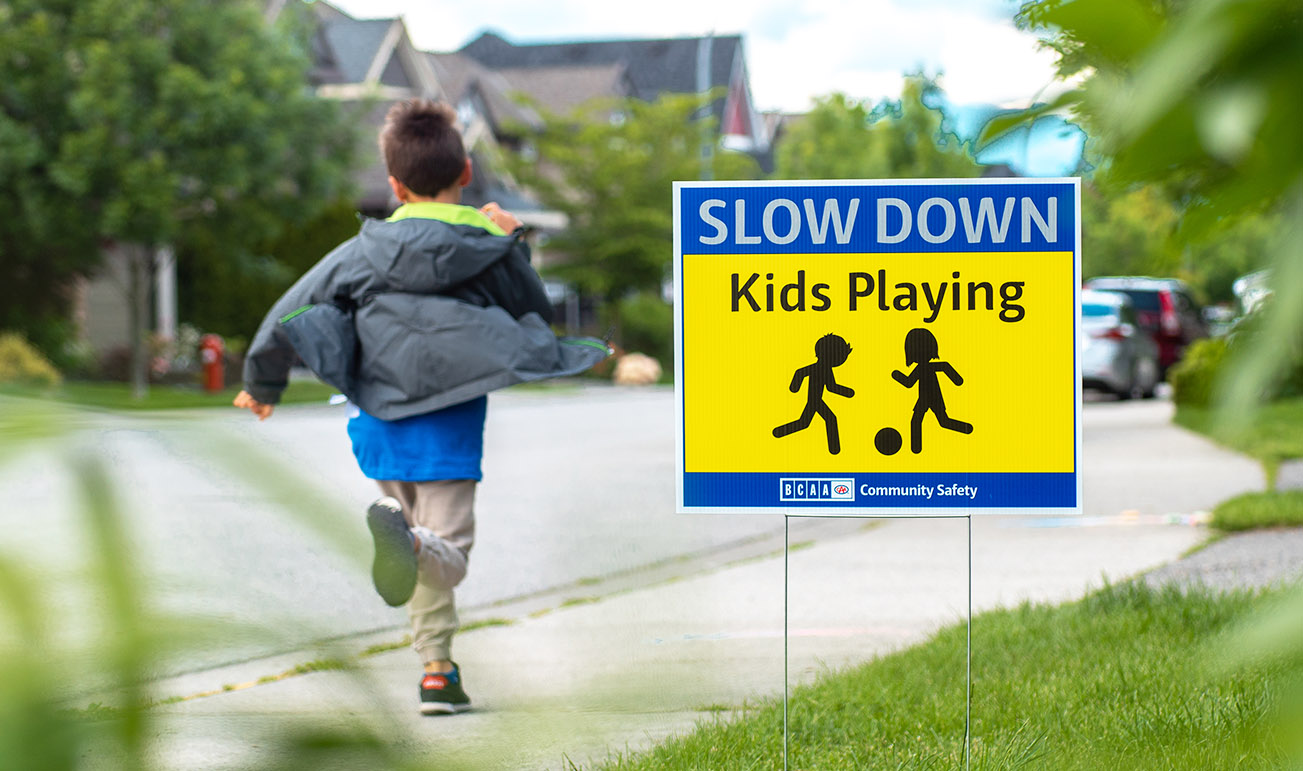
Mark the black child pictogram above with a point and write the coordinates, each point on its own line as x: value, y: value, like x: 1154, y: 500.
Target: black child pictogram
x: 829, y: 351
x: 921, y: 351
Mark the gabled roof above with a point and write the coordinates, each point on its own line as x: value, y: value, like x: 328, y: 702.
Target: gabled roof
x: 463, y: 78
x: 562, y: 88
x: 368, y: 64
x: 353, y: 45
x: 324, y: 11
x: 352, y: 55
x: 999, y: 170
x: 654, y: 67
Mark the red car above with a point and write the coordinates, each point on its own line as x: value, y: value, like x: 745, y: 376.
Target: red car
x: 1164, y: 308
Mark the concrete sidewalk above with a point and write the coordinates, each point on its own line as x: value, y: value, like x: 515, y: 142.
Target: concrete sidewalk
x: 605, y: 668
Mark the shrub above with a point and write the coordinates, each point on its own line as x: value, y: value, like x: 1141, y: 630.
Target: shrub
x: 647, y: 326
x: 21, y: 364
x: 1260, y: 510
x: 1194, y: 378
x: 1250, y: 331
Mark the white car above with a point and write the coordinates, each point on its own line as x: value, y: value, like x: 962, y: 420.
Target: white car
x: 1117, y: 354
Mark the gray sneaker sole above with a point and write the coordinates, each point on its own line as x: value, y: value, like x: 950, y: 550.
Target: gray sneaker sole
x: 394, y: 568
x: 443, y: 708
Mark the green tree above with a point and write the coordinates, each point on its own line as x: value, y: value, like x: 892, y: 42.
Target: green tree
x: 1213, y: 264
x: 146, y: 123
x: 609, y: 168
x: 842, y: 138
x: 1127, y: 233
x: 228, y: 292
x: 1134, y: 232
x: 1201, y: 97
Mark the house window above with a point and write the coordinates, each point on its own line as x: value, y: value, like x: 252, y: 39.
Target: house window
x: 466, y: 112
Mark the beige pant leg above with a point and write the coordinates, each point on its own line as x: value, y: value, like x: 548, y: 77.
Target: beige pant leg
x: 446, y: 511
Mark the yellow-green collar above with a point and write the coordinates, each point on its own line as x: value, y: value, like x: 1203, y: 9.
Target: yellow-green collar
x: 452, y: 213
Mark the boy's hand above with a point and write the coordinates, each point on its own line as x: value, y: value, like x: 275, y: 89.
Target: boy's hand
x: 246, y: 402
x: 501, y: 217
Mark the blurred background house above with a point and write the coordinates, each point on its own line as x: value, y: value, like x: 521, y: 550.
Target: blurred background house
x: 500, y: 91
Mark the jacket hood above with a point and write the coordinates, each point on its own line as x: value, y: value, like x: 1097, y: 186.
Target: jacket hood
x: 426, y: 256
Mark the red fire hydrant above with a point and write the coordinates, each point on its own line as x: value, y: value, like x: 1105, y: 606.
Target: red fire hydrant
x: 211, y: 352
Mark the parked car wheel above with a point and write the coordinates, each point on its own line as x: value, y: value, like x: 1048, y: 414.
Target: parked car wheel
x: 1149, y: 378
x: 1134, y: 389
x: 1143, y: 382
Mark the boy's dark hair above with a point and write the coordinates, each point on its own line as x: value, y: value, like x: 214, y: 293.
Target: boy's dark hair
x: 422, y: 146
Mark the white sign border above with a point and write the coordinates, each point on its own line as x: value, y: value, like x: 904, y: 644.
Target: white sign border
x: 857, y: 511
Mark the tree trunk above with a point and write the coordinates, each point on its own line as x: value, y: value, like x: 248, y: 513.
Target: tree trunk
x: 139, y: 262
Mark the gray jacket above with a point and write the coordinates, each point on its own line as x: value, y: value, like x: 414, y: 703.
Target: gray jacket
x: 412, y: 316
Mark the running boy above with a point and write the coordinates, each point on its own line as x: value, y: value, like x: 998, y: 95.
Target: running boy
x: 415, y: 319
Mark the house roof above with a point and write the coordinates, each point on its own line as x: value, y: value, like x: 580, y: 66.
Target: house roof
x: 561, y: 89
x: 367, y: 64
x: 325, y: 68
x: 653, y: 67
x: 464, y: 78
x: 353, y: 44
x: 999, y: 170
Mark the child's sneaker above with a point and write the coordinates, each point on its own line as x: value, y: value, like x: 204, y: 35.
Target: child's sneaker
x: 442, y: 694
x: 394, y: 568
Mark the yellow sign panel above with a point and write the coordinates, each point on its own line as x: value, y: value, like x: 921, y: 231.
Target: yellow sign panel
x: 999, y: 321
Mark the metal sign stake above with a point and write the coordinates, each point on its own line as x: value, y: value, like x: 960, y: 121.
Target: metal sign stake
x: 968, y: 652
x: 786, y: 582
x: 968, y: 655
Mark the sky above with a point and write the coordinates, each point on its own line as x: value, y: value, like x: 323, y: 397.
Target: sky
x: 796, y: 50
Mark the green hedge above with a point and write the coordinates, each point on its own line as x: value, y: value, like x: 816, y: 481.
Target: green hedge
x: 1260, y: 510
x: 1194, y: 378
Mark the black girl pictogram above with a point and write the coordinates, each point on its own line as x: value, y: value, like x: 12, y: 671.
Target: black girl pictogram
x: 921, y: 351
x: 829, y: 351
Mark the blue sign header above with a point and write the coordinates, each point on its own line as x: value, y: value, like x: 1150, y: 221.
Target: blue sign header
x: 878, y: 217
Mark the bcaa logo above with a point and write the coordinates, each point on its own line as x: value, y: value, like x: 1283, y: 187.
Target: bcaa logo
x: 816, y: 489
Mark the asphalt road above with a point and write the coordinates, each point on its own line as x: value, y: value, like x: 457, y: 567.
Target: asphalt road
x: 257, y: 527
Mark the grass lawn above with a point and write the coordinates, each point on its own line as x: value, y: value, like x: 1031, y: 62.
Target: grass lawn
x: 1252, y: 511
x: 117, y: 396
x: 1274, y: 434
x: 1124, y: 679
